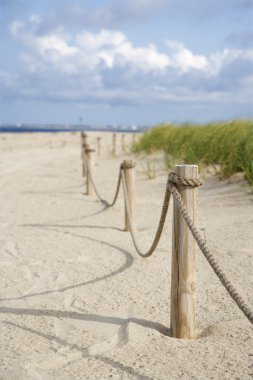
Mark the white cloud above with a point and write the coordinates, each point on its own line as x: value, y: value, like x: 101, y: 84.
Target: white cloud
x: 89, y: 50
x: 105, y: 66
x: 54, y: 44
x: 92, y: 41
x: 112, y: 48
x: 184, y: 60
x: 220, y: 60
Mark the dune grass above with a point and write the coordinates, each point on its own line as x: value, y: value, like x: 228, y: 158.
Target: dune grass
x: 228, y: 146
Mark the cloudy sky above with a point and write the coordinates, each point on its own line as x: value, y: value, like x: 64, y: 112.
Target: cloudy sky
x: 125, y: 61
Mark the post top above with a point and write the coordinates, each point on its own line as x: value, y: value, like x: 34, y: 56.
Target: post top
x: 128, y: 164
x: 186, y: 171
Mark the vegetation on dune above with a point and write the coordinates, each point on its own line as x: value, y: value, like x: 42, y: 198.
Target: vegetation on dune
x: 228, y: 146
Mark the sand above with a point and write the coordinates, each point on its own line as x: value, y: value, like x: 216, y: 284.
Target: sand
x: 77, y: 302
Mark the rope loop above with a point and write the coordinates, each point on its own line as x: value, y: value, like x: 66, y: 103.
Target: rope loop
x: 128, y: 164
x: 173, y: 178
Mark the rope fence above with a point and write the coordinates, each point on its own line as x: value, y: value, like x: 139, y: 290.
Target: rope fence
x: 115, y: 198
x: 159, y: 230
x: 182, y: 190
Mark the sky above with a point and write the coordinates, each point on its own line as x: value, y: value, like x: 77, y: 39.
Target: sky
x: 125, y: 62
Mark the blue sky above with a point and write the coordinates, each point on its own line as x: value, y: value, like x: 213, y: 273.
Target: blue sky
x: 125, y: 62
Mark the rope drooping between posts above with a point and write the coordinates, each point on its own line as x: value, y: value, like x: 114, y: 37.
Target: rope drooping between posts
x: 160, y: 225
x: 171, y: 189
x: 174, y: 180
x: 121, y: 177
x: 96, y: 191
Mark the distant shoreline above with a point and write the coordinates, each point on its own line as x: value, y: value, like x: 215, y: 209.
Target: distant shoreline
x: 70, y: 128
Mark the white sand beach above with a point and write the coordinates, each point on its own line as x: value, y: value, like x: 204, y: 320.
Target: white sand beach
x: 77, y: 302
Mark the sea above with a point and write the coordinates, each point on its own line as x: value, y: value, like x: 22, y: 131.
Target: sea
x: 26, y: 128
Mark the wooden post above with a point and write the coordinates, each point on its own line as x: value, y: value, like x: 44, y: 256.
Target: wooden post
x: 81, y: 145
x: 123, y: 143
x: 114, y: 136
x: 128, y: 167
x: 85, y: 138
x: 98, y: 145
x: 183, y: 268
x: 90, y: 163
x: 84, y: 146
x: 133, y: 138
x: 83, y: 162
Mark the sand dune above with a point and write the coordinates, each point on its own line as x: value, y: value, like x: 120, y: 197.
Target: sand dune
x: 76, y: 301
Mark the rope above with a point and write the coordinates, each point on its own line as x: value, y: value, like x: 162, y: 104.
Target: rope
x: 128, y: 164
x: 171, y: 189
x: 173, y: 179
x: 96, y: 191
x: 160, y: 225
x: 185, y: 181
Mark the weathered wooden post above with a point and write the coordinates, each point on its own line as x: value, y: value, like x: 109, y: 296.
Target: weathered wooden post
x: 84, y: 140
x: 81, y: 145
x: 123, y: 142
x: 133, y: 138
x: 84, y: 161
x: 183, y: 268
x: 98, y: 145
x: 89, y: 152
x: 114, y: 136
x: 84, y: 146
x: 128, y: 167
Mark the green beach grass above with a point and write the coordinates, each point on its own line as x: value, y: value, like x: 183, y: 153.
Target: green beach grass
x: 228, y: 146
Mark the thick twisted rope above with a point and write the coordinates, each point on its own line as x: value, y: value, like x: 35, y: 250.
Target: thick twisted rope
x: 128, y: 164
x: 171, y: 189
x: 95, y: 188
x: 174, y: 180
x: 160, y: 225
x: 98, y: 195
x: 185, y: 181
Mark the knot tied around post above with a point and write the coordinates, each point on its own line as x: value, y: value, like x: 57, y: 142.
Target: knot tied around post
x: 128, y: 164
x: 175, y: 180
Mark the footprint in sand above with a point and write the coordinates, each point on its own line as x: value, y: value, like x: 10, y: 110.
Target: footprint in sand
x: 35, y: 280
x: 12, y: 251
x: 107, y: 336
